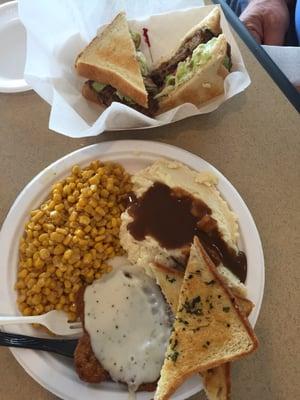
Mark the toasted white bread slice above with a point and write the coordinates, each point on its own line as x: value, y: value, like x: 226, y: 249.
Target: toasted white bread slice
x: 209, y: 329
x: 216, y: 381
x: 206, y: 82
x: 111, y: 59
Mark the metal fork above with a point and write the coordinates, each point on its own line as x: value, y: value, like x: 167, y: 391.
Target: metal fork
x: 56, y: 321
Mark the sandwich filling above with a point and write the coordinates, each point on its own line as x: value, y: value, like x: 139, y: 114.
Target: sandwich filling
x: 128, y: 323
x: 185, y: 50
x: 186, y: 69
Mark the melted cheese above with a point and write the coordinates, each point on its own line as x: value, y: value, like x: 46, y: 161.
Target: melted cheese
x: 128, y: 323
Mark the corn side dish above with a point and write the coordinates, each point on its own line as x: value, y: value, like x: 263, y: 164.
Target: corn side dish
x: 69, y: 238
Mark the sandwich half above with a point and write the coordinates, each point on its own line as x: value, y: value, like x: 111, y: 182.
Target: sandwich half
x: 116, y: 70
x: 196, y: 71
x: 209, y: 328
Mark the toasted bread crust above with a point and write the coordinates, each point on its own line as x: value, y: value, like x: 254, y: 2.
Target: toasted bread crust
x: 207, y: 83
x: 111, y: 59
x: 230, y: 341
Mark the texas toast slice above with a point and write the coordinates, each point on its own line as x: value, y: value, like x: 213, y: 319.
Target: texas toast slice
x: 216, y: 381
x: 209, y: 329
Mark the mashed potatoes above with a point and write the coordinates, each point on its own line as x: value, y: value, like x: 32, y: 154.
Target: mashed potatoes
x: 202, y: 186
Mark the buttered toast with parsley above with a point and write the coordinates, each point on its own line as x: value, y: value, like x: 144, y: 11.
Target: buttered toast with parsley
x: 216, y: 381
x: 209, y: 328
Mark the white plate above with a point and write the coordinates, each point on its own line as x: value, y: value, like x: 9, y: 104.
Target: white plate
x: 56, y: 373
x: 12, y: 50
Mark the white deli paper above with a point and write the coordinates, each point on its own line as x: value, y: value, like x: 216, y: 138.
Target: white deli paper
x: 57, y: 30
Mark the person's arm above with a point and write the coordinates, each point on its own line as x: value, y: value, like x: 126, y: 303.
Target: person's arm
x: 267, y: 20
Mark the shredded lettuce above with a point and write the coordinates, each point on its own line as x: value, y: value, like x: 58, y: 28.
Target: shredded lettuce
x: 170, y: 80
x: 227, y: 63
x: 202, y: 53
x: 98, y: 87
x: 142, y: 62
x: 124, y: 98
x: 136, y: 37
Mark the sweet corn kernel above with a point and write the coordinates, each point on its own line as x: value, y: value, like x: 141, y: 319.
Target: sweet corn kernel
x: 37, y: 216
x: 56, y: 237
x: 44, y: 253
x: 87, y: 258
x: 22, y: 273
x: 84, y: 220
x: 38, y: 262
x: 76, y: 170
x: 99, y: 247
x: 71, y: 199
x: 27, y: 311
x: 59, y: 207
x: 62, y: 231
x: 59, y: 249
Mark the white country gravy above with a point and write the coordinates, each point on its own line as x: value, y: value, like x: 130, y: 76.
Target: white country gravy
x: 127, y: 319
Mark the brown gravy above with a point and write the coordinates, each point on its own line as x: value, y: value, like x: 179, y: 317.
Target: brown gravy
x: 173, y: 217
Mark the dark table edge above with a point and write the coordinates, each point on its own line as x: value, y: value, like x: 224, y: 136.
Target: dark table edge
x: 262, y: 56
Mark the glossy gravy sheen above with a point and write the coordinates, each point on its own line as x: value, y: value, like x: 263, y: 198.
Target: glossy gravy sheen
x: 173, y: 217
x: 127, y: 319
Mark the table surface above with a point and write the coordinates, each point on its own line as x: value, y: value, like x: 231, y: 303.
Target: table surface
x: 254, y: 141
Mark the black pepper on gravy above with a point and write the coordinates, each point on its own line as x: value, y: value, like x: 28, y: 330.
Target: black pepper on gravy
x: 173, y: 217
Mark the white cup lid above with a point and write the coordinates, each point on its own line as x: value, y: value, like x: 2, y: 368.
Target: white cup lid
x: 12, y: 50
